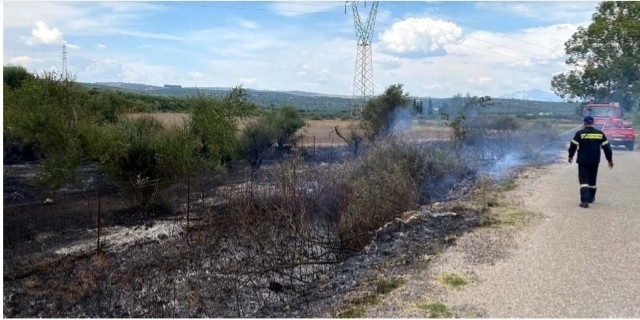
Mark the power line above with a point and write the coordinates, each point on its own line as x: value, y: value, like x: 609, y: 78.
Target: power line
x: 466, y: 45
x: 467, y: 37
x: 236, y: 8
x: 442, y: 17
x: 208, y: 5
x: 476, y: 27
x: 315, y: 4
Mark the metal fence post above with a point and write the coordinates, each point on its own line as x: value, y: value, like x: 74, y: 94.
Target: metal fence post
x: 188, y: 205
x: 99, y: 218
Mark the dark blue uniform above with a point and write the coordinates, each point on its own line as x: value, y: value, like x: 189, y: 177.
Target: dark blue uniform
x: 588, y: 142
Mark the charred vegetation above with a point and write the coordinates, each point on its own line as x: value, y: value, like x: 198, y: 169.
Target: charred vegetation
x: 177, y: 223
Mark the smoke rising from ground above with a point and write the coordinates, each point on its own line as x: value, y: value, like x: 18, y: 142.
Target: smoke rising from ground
x: 493, y: 146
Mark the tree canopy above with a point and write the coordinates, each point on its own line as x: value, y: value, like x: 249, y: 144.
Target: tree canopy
x: 380, y: 112
x: 606, y: 57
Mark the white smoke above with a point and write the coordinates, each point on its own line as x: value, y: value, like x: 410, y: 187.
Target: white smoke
x: 402, y: 122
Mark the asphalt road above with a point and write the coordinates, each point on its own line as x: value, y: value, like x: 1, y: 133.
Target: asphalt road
x: 573, y: 262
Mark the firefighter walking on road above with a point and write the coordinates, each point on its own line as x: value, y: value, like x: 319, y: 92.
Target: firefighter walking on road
x: 588, y: 142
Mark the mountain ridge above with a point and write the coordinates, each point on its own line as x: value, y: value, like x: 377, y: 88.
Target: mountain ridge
x: 530, y: 95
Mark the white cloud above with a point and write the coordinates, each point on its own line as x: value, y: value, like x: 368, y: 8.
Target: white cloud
x: 521, y: 48
x: 73, y: 46
x: 129, y: 70
x: 487, y: 63
x: 42, y: 34
x: 23, y: 60
x: 23, y: 13
x: 79, y: 18
x: 420, y: 35
x: 430, y: 57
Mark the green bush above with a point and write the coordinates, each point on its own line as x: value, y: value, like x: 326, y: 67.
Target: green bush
x: 379, y: 113
x: 177, y: 153
x: 107, y: 105
x: 54, y: 119
x: 256, y: 141
x: 44, y: 115
x: 131, y: 152
x: 141, y: 156
x: 285, y: 122
x: 386, y: 184
x: 14, y: 76
x: 213, y: 122
x: 393, y: 178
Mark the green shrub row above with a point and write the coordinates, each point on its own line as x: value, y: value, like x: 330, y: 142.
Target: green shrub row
x: 54, y: 119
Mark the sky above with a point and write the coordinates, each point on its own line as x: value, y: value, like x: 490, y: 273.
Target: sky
x: 435, y: 49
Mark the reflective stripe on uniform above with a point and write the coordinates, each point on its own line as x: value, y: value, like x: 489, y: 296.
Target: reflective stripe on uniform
x: 593, y: 136
x: 592, y: 187
x: 606, y: 142
x: 574, y: 142
x: 584, y: 186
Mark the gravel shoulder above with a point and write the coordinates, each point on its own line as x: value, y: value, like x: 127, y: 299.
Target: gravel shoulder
x: 566, y: 262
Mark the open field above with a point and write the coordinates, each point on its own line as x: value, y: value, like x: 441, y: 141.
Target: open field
x: 169, y: 119
x: 322, y: 132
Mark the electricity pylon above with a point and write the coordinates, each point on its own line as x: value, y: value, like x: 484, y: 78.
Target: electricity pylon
x: 363, y: 78
x: 64, y: 61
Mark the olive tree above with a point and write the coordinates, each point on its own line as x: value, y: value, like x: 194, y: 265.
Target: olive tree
x: 285, y: 122
x: 214, y: 122
x: 379, y: 113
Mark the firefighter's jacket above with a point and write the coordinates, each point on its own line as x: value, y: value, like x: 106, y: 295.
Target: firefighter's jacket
x: 588, y: 142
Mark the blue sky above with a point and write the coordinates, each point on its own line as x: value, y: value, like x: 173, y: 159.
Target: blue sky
x: 434, y: 49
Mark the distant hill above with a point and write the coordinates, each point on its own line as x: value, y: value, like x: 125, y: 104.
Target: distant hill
x: 525, y: 103
x: 533, y: 94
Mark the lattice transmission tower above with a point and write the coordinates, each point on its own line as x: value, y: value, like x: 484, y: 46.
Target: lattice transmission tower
x: 64, y: 60
x: 363, y: 78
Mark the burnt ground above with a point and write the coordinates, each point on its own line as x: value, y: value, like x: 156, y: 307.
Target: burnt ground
x: 152, y: 265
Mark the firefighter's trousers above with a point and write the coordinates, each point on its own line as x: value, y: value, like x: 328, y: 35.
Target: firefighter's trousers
x: 587, y: 175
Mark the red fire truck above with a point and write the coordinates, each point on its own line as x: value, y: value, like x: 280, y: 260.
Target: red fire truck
x: 608, y: 118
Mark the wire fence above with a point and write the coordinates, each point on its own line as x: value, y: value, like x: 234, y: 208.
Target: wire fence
x: 256, y: 236
x: 245, y: 244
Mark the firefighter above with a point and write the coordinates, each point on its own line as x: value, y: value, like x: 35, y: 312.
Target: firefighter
x: 588, y: 142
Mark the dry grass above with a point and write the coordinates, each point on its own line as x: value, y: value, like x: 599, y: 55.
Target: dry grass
x: 168, y: 119
x: 322, y: 132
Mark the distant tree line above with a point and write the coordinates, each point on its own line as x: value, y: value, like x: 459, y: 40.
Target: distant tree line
x: 318, y: 107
